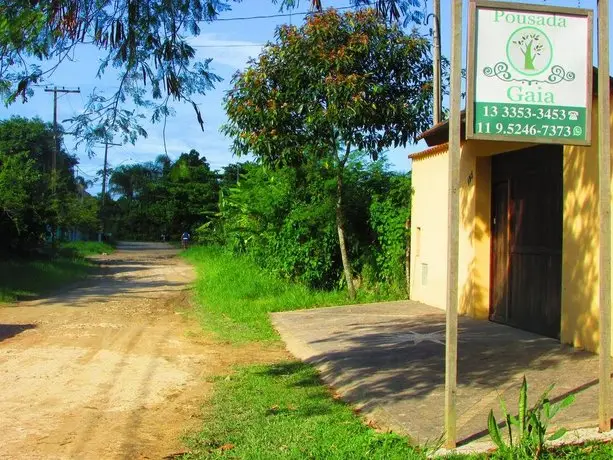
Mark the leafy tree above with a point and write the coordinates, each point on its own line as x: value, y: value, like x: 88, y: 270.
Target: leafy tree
x: 230, y: 174
x: 389, y: 211
x: 338, y: 83
x: 29, y: 207
x: 193, y: 190
x: 284, y: 219
x: 163, y: 197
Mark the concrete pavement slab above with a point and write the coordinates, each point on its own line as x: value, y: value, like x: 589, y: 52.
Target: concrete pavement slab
x: 388, y: 359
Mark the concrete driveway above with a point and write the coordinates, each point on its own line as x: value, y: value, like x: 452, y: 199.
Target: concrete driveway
x: 388, y: 358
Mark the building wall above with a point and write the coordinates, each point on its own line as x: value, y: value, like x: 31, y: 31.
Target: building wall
x: 580, y: 244
x: 429, y: 229
x: 429, y: 217
x: 580, y: 313
x: 481, y: 239
x: 467, y: 261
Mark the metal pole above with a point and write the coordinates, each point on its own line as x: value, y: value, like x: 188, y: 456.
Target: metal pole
x: 56, y: 137
x: 436, y: 62
x: 102, y: 205
x: 604, y: 189
x: 106, y: 151
x: 451, y: 340
x: 56, y: 142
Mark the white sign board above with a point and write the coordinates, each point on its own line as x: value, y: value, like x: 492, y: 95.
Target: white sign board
x: 530, y: 73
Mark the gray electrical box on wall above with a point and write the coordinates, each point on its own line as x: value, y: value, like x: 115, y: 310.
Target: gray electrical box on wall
x: 424, y: 274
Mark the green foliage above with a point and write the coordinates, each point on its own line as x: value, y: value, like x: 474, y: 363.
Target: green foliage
x: 22, y: 279
x: 86, y: 248
x: 162, y: 197
x: 284, y: 411
x: 589, y: 450
x: 284, y: 220
x: 530, y: 424
x: 29, y: 208
x: 235, y: 296
x: 146, y: 43
x: 337, y: 83
x: 389, y: 213
x: 328, y: 83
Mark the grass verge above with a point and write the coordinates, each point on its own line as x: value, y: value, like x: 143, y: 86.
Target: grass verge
x: 236, y: 296
x: 33, y: 277
x: 86, y: 248
x: 283, y: 411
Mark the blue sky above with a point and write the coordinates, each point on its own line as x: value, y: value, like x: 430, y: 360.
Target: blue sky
x: 230, y: 44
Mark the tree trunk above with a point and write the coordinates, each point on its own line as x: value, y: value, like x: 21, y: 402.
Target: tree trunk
x: 340, y: 226
x: 528, y: 58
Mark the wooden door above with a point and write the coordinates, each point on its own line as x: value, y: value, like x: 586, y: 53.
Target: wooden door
x: 527, y: 239
x: 500, y: 251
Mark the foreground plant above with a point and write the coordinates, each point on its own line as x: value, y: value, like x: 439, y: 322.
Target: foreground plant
x: 530, y: 424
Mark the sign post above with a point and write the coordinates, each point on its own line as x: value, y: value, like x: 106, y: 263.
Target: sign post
x: 530, y: 80
x: 530, y: 73
x: 604, y: 191
x: 453, y: 229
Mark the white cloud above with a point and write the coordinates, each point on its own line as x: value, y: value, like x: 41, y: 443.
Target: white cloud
x: 232, y: 53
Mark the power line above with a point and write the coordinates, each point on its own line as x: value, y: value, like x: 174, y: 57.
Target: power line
x: 279, y: 15
x: 85, y: 173
x: 229, y: 46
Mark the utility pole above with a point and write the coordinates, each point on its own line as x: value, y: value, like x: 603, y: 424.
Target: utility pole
x: 104, y: 174
x: 56, y: 149
x: 436, y: 61
x: 104, y: 169
x: 56, y: 137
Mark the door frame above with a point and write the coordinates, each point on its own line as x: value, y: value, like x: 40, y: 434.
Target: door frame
x: 497, y: 178
x: 491, y: 313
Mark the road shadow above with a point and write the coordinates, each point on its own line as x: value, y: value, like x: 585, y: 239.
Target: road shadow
x: 392, y: 357
x: 136, y: 271
x: 11, y: 330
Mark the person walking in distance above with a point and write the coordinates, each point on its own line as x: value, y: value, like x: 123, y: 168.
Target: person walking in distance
x: 185, y: 239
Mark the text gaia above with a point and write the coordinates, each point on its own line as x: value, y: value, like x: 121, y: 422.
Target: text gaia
x: 518, y: 94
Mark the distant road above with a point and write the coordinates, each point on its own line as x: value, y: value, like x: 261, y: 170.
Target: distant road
x: 106, y: 370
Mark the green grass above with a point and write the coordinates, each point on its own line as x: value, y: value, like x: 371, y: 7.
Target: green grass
x: 87, y: 248
x: 593, y: 451
x: 284, y: 411
x: 236, y: 296
x: 34, y: 277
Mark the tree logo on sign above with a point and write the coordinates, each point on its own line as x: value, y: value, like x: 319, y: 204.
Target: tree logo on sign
x: 529, y: 51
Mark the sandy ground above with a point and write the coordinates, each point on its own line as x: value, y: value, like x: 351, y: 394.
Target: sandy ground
x: 116, y: 367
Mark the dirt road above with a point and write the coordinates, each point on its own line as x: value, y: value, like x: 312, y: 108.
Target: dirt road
x: 113, y: 368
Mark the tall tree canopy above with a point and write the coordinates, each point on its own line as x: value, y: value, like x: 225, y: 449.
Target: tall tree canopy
x: 338, y: 83
x: 147, y: 42
x: 162, y: 197
x: 31, y: 202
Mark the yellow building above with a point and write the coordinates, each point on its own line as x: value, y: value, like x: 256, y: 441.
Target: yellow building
x: 528, y: 233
